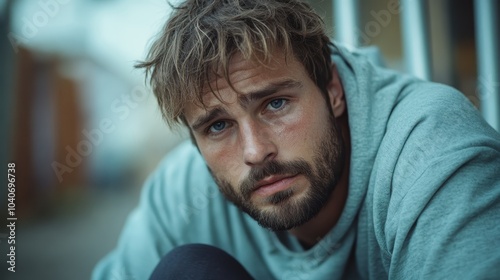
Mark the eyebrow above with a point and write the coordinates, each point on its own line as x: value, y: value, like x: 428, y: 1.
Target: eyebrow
x: 211, y: 115
x: 245, y: 99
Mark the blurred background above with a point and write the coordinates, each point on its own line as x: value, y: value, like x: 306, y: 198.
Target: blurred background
x: 84, y: 130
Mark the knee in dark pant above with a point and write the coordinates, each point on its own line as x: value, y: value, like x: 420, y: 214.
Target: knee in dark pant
x: 199, y: 261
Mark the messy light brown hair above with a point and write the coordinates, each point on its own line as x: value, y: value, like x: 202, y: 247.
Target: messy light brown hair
x: 201, y: 36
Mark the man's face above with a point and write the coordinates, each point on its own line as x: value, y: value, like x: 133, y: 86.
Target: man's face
x: 272, y: 146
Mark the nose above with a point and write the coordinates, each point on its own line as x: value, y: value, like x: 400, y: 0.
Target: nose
x: 258, y: 147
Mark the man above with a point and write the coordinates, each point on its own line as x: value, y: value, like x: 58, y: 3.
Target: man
x: 329, y: 166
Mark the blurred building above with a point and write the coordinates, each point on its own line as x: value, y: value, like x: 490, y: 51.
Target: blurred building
x: 81, y: 115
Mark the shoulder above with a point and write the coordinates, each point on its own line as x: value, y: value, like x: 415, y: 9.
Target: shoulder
x: 180, y: 173
x: 430, y: 101
x: 181, y: 188
x: 433, y: 128
x: 182, y: 160
x: 432, y: 120
x: 437, y: 183
x: 435, y: 142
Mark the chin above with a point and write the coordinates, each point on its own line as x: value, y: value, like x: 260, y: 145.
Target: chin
x: 287, y: 210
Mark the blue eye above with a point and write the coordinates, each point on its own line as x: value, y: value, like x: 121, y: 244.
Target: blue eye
x: 277, y: 103
x: 217, y: 127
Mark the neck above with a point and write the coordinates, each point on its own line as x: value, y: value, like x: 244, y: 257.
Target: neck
x: 315, y: 229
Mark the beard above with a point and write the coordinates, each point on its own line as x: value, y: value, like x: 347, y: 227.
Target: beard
x: 289, y: 210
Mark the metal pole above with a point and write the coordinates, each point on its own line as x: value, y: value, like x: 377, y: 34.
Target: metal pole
x: 346, y: 22
x: 416, y: 47
x: 487, y: 37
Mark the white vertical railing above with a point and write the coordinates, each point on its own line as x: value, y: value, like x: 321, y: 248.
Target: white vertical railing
x: 487, y: 45
x: 416, y: 39
x: 416, y: 45
x: 346, y: 20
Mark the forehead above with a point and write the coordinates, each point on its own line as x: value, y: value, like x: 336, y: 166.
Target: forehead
x: 246, y: 75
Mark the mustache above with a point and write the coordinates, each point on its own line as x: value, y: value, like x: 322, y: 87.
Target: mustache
x: 273, y: 168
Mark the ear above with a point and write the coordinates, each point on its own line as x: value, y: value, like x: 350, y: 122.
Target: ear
x: 336, y: 94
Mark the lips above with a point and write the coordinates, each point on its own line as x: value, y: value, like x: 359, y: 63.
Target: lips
x: 273, y: 184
